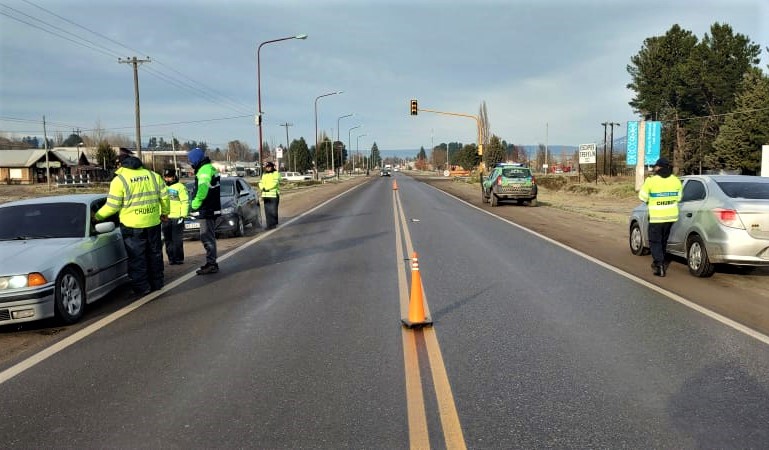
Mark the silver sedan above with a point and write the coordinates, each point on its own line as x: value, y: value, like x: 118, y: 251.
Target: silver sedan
x: 723, y: 219
x: 55, y: 260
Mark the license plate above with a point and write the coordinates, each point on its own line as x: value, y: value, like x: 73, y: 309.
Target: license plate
x: 191, y: 226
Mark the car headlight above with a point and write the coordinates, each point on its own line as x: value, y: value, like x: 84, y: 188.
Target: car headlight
x: 228, y: 210
x: 22, y: 281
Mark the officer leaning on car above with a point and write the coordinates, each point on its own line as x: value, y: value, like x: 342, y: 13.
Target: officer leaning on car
x: 140, y: 197
x: 661, y: 192
x: 173, y: 228
x: 206, y: 205
x: 270, y: 187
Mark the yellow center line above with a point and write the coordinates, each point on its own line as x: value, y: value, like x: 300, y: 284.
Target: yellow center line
x: 447, y: 410
x: 415, y: 403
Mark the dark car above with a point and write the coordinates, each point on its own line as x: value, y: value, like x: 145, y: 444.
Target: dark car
x: 240, y: 208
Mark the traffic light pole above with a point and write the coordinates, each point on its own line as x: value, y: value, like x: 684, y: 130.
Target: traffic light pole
x: 477, y: 123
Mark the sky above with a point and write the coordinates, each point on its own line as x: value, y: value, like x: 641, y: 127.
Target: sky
x: 549, y: 71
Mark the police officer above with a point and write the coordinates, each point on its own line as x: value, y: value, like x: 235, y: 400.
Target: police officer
x: 173, y: 228
x: 661, y: 192
x: 270, y: 187
x: 141, y: 199
x: 206, y: 205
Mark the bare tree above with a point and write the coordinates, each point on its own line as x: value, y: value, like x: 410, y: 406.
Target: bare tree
x: 483, y: 116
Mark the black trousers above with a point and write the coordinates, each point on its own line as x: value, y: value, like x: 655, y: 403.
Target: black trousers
x: 271, y: 211
x: 658, y: 241
x: 208, y: 238
x: 173, y: 232
x: 145, y: 257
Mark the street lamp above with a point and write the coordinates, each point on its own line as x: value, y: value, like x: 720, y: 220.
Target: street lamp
x: 259, y: 86
x: 357, y: 148
x: 341, y: 159
x: 315, y: 159
x: 349, y: 141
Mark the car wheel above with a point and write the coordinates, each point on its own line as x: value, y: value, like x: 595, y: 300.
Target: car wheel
x: 697, y: 258
x: 493, y: 199
x: 69, y: 296
x: 636, y: 241
x: 239, y: 226
x: 484, y: 197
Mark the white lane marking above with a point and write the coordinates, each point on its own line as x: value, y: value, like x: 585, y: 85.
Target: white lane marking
x: 79, y: 335
x: 671, y: 295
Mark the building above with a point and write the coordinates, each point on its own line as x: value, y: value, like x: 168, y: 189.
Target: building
x: 28, y: 166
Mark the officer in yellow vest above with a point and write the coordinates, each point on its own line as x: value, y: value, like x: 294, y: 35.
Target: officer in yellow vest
x: 173, y: 228
x: 270, y: 187
x: 661, y: 192
x: 141, y: 199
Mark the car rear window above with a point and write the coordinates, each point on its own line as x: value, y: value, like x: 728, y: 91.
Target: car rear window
x: 749, y: 190
x: 42, y: 221
x: 515, y: 172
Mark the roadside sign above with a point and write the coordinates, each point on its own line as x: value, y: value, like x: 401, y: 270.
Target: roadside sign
x: 587, y: 153
x: 653, y: 135
x: 279, y: 152
x: 446, y: 173
x: 631, y: 156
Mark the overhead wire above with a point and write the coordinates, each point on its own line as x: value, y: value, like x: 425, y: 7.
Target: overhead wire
x: 78, y: 40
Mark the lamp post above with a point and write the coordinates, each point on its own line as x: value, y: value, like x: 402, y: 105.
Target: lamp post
x: 315, y: 158
x: 259, y: 86
x: 357, y: 147
x: 349, y: 141
x: 341, y: 159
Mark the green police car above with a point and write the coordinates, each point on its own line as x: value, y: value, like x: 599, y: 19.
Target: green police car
x: 509, y: 181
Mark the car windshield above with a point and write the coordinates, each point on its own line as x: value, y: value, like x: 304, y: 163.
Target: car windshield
x: 515, y: 172
x: 748, y: 190
x: 42, y: 221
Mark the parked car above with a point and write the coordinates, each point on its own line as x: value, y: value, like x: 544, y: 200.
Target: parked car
x: 509, y: 181
x: 240, y: 208
x: 294, y: 176
x: 723, y: 219
x: 55, y: 259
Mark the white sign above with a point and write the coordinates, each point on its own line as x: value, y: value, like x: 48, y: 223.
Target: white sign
x: 765, y: 160
x: 446, y: 173
x: 587, y: 153
x: 279, y: 152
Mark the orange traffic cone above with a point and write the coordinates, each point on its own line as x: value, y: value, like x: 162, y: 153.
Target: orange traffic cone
x: 416, y: 318
x: 395, y: 185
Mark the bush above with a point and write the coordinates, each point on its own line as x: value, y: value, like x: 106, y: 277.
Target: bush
x: 554, y: 183
x: 583, y: 189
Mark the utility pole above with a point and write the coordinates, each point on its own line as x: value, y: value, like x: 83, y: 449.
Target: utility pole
x: 605, y: 124
x: 288, y: 145
x: 47, y: 162
x: 611, y: 149
x: 135, y: 63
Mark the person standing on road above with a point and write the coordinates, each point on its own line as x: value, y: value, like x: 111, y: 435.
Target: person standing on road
x: 141, y: 199
x: 270, y: 187
x: 661, y: 192
x: 173, y: 228
x: 206, y: 205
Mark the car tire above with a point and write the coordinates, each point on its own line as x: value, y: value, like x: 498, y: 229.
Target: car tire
x: 484, y: 199
x: 493, y: 199
x: 697, y: 258
x: 239, y: 230
x: 636, y: 241
x: 69, y: 295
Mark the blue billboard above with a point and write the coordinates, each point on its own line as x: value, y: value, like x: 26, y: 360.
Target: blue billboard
x: 631, y: 156
x: 652, y: 138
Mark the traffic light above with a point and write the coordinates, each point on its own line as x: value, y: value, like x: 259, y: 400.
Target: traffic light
x: 414, y: 108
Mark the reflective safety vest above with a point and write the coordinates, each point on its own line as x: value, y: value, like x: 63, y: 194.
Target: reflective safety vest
x: 662, y: 196
x: 179, y: 200
x: 270, y: 184
x: 139, y: 195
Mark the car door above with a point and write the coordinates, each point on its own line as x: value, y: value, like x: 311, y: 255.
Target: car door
x: 107, y: 257
x: 247, y: 198
x: 689, y: 209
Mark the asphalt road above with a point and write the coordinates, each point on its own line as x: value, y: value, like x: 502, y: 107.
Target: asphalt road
x: 297, y: 343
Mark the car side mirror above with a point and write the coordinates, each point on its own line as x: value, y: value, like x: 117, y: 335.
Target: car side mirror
x: 104, y: 227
